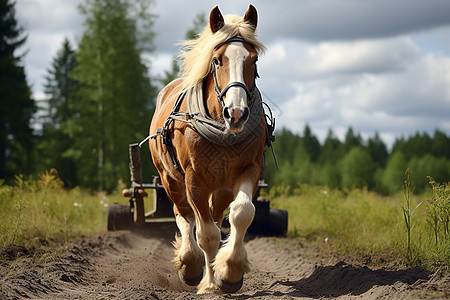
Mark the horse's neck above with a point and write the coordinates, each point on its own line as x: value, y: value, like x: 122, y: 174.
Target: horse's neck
x: 210, y: 97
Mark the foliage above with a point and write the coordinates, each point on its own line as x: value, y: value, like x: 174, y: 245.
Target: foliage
x: 355, y: 163
x: 16, y: 105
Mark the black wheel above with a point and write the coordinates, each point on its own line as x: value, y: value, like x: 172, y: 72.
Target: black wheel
x: 278, y: 221
x: 260, y: 222
x: 119, y: 217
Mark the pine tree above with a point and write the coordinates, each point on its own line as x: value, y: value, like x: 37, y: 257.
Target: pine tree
x: 55, y: 144
x: 116, y: 95
x: 16, y: 105
x: 311, y: 143
x: 331, y: 149
x: 440, y: 147
x: 330, y: 155
x: 351, y: 140
x: 378, y: 151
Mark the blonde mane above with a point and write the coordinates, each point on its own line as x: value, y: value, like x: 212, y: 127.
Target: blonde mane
x: 197, y: 54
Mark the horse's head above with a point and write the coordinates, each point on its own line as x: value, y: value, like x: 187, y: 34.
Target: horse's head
x: 234, y: 71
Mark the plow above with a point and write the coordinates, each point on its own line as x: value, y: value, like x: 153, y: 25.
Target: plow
x: 267, y: 221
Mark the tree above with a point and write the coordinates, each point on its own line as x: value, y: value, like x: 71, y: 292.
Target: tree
x: 440, y: 146
x: 378, y: 151
x: 429, y: 165
x: 351, y: 140
x: 116, y: 95
x: 331, y: 149
x: 391, y: 179
x: 330, y: 155
x: 60, y: 87
x: 55, y: 144
x: 311, y: 143
x: 16, y: 105
x: 357, y: 168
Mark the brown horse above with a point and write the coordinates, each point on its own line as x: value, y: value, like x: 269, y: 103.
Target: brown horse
x: 202, y: 175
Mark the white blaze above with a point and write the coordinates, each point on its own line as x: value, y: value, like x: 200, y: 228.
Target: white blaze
x: 236, y: 54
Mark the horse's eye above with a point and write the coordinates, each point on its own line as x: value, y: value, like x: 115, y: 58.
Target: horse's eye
x: 216, y: 61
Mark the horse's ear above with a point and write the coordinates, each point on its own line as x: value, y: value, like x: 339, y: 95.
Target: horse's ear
x: 216, y: 20
x: 251, y: 16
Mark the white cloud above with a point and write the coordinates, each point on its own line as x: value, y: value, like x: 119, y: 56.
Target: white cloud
x: 367, y: 56
x: 384, y: 85
x: 305, y: 61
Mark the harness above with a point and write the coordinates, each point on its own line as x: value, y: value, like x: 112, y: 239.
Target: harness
x: 209, y: 128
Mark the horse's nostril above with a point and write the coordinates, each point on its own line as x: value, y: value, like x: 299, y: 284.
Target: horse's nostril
x: 226, y: 113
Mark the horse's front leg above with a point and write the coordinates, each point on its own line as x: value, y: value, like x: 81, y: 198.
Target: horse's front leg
x: 207, y: 232
x: 231, y: 261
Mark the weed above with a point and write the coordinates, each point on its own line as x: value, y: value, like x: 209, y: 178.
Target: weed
x: 408, y: 192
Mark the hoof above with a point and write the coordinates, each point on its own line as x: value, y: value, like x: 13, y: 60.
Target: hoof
x: 191, y: 281
x: 228, y: 287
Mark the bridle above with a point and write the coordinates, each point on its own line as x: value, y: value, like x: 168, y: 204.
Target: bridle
x: 213, y: 126
x: 221, y: 93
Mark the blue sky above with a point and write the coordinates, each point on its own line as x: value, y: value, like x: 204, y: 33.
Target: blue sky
x: 378, y: 66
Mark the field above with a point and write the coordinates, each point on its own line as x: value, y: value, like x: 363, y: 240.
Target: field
x: 331, y: 233
x: 366, y: 224
x: 38, y: 212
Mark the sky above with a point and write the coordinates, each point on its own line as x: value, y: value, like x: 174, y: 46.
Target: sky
x: 378, y: 66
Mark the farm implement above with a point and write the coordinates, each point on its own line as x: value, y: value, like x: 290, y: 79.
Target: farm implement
x: 267, y: 221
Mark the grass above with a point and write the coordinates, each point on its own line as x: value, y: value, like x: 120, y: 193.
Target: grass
x: 360, y: 222
x: 36, y: 213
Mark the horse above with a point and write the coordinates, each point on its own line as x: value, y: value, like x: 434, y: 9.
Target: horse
x: 204, y: 175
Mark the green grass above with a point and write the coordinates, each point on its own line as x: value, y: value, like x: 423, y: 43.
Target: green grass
x: 39, y: 212
x: 360, y: 222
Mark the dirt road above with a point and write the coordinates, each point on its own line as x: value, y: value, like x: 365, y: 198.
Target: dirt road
x: 125, y: 265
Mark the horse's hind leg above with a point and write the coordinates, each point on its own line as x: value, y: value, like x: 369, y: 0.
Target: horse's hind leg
x: 231, y: 261
x: 188, y: 259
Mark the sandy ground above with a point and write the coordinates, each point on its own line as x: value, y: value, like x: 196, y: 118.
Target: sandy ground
x: 136, y: 265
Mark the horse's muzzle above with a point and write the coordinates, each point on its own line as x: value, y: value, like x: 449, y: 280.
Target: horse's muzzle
x: 235, y: 117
